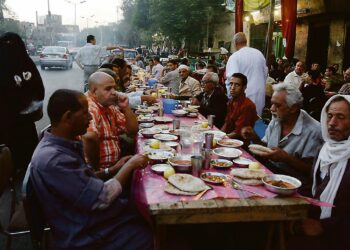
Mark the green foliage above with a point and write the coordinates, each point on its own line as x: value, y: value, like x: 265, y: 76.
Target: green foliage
x: 188, y: 20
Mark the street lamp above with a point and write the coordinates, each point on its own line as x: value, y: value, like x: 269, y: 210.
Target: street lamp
x: 75, y: 8
x: 87, y: 20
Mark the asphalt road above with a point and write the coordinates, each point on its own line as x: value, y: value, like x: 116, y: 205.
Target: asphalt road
x: 57, y: 78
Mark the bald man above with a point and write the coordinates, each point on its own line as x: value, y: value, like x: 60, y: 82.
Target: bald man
x: 111, y: 117
x: 251, y: 63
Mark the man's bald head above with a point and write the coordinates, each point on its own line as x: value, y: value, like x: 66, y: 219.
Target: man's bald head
x: 98, y: 79
x: 102, y: 88
x: 240, y: 40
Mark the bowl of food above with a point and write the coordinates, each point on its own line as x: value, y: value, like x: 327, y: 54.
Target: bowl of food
x: 159, y: 155
x: 146, y: 125
x: 143, y: 118
x: 192, y: 114
x: 281, y: 184
x: 259, y: 149
x: 179, y: 112
x: 230, y: 143
x: 213, y: 177
x: 221, y: 163
x: 229, y: 153
x: 172, y: 144
x: 149, y: 132
x: 181, y: 163
x: 165, y: 137
x: 163, y: 119
x: 242, y: 162
x: 160, y: 168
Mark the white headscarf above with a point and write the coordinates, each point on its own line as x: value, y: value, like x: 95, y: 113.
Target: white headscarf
x: 333, y: 156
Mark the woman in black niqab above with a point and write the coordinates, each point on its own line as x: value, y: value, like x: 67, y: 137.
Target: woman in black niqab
x: 21, y: 98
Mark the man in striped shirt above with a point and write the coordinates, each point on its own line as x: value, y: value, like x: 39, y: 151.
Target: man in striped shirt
x: 109, y: 121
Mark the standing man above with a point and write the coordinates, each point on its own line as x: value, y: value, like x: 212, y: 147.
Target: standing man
x: 251, y: 63
x: 88, y: 57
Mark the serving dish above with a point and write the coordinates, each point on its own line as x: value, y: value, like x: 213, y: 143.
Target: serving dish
x: 242, y: 162
x: 230, y: 143
x: 179, y: 112
x: 149, y: 132
x: 213, y: 177
x: 160, y: 168
x: 281, y: 184
x: 163, y: 119
x: 229, y: 153
x: 146, y: 125
x: 181, y: 163
x: 165, y: 137
x: 159, y: 155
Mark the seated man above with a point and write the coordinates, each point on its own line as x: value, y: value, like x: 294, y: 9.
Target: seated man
x: 172, y: 78
x: 83, y: 211
x: 241, y: 110
x: 327, y: 227
x: 345, y: 88
x: 101, y: 142
x: 293, y: 135
x: 189, y: 87
x: 212, y: 100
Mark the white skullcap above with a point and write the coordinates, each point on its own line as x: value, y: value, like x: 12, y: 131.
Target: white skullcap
x: 223, y: 51
x: 183, y: 66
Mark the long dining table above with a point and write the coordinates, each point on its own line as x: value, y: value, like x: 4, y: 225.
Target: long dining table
x: 221, y: 204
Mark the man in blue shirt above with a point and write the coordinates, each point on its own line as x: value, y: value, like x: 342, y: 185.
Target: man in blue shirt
x: 83, y: 211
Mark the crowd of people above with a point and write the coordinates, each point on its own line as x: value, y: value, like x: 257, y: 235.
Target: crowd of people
x: 82, y: 166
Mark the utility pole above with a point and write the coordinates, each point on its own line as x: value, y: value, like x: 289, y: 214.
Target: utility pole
x: 270, y: 34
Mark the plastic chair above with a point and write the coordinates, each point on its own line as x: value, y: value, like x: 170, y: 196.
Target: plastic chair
x: 34, y: 213
x: 6, y: 181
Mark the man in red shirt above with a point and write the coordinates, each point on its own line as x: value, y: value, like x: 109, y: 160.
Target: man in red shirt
x: 109, y: 121
x: 241, y: 111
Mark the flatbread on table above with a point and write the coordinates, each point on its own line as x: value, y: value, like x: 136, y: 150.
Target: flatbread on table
x: 173, y: 190
x: 245, y: 173
x: 187, y: 183
x: 249, y: 182
x: 259, y: 149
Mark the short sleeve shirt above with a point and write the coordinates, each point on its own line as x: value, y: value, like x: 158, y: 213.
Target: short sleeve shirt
x: 90, y: 54
x: 302, y: 142
x: 109, y: 123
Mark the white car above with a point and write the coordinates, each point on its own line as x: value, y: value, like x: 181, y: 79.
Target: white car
x: 55, y: 56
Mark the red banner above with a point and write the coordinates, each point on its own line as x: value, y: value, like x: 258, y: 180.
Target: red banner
x: 289, y: 21
x: 239, y: 16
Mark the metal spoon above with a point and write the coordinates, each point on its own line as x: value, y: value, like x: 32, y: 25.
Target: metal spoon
x: 237, y: 186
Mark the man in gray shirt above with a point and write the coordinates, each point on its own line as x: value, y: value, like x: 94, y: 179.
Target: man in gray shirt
x: 293, y: 135
x: 172, y: 79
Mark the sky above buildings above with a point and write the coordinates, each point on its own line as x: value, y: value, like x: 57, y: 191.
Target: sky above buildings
x: 102, y: 11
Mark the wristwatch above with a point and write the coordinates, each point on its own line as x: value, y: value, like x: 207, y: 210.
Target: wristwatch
x: 106, y: 170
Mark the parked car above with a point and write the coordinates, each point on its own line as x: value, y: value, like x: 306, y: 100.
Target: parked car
x: 129, y: 54
x: 55, y: 56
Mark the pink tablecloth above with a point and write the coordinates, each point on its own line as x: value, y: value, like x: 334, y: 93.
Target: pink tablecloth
x: 148, y: 187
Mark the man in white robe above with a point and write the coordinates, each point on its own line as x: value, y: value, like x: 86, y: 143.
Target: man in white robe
x: 252, y: 63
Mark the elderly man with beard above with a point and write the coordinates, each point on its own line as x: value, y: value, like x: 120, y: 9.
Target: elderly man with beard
x: 293, y: 136
x: 328, y: 226
x: 189, y: 87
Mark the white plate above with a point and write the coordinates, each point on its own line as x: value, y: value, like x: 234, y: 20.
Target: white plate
x: 179, y: 112
x: 193, y: 106
x: 229, y: 153
x: 165, y: 137
x: 218, y: 135
x: 163, y: 119
x: 230, y: 143
x: 159, y: 155
x: 149, y: 132
x: 146, y: 125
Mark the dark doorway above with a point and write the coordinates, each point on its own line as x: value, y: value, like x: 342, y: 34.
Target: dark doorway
x: 346, y: 61
x: 317, y: 45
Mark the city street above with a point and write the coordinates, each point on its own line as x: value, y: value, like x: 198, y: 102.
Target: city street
x: 58, y: 79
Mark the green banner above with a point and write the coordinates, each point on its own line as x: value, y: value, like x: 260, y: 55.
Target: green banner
x: 251, y: 5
